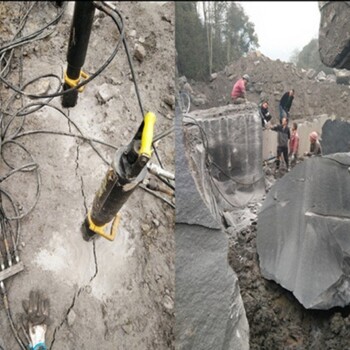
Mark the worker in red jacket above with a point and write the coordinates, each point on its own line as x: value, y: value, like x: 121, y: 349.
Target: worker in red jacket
x: 238, y: 93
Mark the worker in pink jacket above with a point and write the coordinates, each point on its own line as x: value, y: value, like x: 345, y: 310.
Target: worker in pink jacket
x: 238, y: 93
x: 294, y: 144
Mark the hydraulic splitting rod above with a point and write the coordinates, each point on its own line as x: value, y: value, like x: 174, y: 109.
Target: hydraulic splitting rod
x: 127, y: 170
x: 78, y: 43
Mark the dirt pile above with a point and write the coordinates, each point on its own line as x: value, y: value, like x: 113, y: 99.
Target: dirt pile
x: 314, y: 94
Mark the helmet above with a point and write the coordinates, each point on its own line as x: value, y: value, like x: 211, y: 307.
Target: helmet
x: 313, y: 136
x: 246, y: 77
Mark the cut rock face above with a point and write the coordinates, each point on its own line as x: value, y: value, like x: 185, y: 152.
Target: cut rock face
x: 303, y: 238
x: 228, y: 142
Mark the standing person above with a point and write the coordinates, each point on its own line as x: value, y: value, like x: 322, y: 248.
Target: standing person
x: 294, y: 144
x: 315, y: 146
x: 285, y: 104
x: 238, y: 93
x: 282, y: 142
x: 264, y: 113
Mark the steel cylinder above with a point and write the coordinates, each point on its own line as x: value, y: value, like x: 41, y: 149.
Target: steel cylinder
x: 114, y: 191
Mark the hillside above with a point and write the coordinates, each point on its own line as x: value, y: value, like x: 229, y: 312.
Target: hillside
x: 314, y: 94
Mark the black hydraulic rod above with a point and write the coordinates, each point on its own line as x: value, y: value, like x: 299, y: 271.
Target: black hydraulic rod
x: 83, y: 16
x: 114, y: 191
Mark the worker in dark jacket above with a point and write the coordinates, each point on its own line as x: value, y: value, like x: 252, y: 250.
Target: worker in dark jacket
x: 283, y: 137
x: 264, y: 113
x: 285, y: 104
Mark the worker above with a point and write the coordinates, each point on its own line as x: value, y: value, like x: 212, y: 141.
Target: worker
x: 282, y: 143
x: 294, y: 144
x: 285, y: 104
x: 238, y: 93
x: 264, y: 113
x: 315, y: 146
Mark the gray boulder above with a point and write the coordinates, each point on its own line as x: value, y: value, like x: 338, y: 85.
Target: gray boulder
x: 303, y: 237
x: 228, y: 140
x: 321, y: 76
x: 209, y: 309
x: 335, y: 137
x: 342, y: 76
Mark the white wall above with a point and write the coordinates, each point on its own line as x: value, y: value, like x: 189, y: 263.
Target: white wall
x: 304, y: 129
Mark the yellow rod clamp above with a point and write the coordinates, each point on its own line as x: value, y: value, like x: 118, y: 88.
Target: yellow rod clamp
x: 100, y: 229
x: 147, y: 135
x: 74, y: 82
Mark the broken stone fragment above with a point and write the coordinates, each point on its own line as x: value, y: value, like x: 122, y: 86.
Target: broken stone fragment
x: 106, y: 92
x: 311, y: 73
x: 321, y: 76
x: 342, y: 76
x: 139, y: 52
x: 169, y: 100
x: 132, y: 33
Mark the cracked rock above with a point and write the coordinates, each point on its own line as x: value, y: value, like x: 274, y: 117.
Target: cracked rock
x: 304, y: 245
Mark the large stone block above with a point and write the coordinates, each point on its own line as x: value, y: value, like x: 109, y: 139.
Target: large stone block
x: 335, y: 137
x: 209, y: 309
x: 303, y: 238
x: 226, y: 156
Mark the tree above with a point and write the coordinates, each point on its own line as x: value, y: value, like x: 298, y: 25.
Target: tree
x: 208, y: 18
x: 209, y: 35
x: 309, y: 57
x: 240, y: 36
x: 190, y: 41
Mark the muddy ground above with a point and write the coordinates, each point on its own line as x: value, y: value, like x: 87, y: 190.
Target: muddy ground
x: 106, y: 295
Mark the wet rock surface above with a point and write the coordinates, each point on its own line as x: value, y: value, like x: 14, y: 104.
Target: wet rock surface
x: 209, y: 309
x: 187, y: 210
x: 226, y: 144
x: 304, y: 245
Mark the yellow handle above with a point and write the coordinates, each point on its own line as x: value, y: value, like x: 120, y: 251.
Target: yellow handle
x: 74, y: 82
x: 100, y: 230
x: 147, y: 135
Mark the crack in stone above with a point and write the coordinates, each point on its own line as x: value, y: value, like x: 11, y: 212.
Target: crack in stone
x: 81, y: 179
x: 76, y: 295
x: 85, y: 206
x: 96, y: 264
x: 57, y: 329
